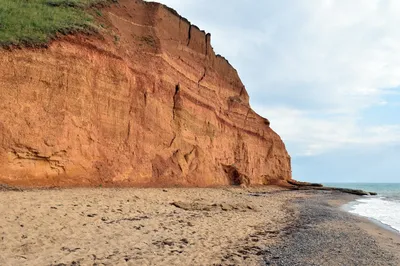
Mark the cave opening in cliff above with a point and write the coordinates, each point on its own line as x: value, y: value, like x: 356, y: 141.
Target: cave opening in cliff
x: 233, y: 175
x: 235, y: 178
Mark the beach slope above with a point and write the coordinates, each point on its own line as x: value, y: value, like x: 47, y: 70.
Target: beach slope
x: 224, y: 226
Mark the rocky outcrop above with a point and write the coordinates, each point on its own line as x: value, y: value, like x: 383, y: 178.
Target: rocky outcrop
x: 303, y: 184
x: 297, y: 185
x: 147, y: 103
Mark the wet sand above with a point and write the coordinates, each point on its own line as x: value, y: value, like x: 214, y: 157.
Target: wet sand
x: 176, y: 226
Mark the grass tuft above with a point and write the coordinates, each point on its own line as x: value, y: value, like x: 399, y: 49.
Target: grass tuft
x: 36, y: 22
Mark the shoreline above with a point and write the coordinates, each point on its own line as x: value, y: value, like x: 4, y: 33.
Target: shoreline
x: 346, y: 207
x: 326, y: 234
x: 182, y: 226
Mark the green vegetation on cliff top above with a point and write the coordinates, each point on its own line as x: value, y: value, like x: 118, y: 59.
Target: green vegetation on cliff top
x: 36, y: 22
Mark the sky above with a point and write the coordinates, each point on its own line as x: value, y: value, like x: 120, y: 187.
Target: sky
x: 326, y: 73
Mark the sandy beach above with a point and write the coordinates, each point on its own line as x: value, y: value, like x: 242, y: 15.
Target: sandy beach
x: 177, y: 226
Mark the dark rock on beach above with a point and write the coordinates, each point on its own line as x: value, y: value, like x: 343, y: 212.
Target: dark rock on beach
x: 4, y: 187
x: 297, y: 185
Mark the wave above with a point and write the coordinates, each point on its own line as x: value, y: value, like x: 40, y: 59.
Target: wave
x: 381, y: 209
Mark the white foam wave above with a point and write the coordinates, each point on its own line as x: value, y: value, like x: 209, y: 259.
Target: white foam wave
x: 381, y: 209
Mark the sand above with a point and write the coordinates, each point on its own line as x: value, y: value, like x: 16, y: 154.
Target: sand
x: 140, y: 226
x: 180, y: 226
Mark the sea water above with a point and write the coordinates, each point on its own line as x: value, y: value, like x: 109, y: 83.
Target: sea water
x: 385, y: 207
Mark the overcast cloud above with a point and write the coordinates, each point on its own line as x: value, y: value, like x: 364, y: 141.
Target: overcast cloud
x: 326, y: 73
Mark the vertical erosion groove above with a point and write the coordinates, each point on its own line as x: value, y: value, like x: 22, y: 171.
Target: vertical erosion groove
x: 208, y: 35
x: 189, y: 34
x: 175, y: 99
x: 202, y: 77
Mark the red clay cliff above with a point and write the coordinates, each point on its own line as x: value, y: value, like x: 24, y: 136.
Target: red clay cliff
x: 147, y: 104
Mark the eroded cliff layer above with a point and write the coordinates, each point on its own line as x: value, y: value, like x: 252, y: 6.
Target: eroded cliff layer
x: 148, y: 103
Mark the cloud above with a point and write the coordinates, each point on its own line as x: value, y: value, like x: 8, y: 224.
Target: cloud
x: 309, y: 134
x: 316, y: 68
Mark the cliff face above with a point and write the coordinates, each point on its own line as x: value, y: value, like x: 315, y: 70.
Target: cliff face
x: 149, y: 103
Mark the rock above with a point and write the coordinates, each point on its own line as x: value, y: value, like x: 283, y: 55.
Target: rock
x: 198, y: 206
x: 182, y: 205
x: 226, y: 207
x: 244, y: 185
x: 194, y: 206
x: 351, y: 191
x: 298, y: 183
x: 158, y: 108
x: 344, y: 190
x: 4, y: 187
